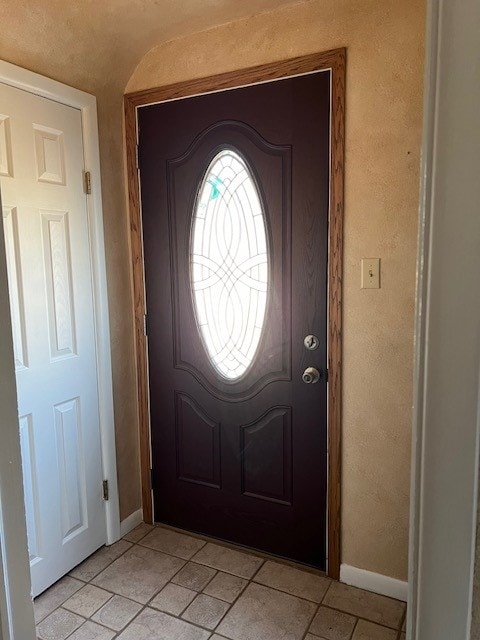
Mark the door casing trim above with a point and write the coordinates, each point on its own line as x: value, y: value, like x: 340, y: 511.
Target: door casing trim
x: 335, y: 61
x: 86, y: 103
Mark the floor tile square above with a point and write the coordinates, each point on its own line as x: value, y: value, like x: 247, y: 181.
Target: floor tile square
x: 173, y: 599
x: 156, y: 625
x: 294, y: 581
x: 92, y: 631
x: 332, y: 625
x: 99, y: 560
x: 262, y: 613
x: 117, y: 613
x: 225, y: 586
x: 55, y: 596
x: 59, y: 625
x: 172, y: 542
x: 135, y: 535
x: 139, y: 574
x: 369, y: 631
x: 240, y: 564
x: 365, y: 604
x: 88, y: 600
x: 194, y: 576
x: 206, y: 611
x: 309, y: 636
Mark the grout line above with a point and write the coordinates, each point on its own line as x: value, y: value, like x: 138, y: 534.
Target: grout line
x: 237, y: 596
x: 325, y: 594
x: 132, y: 544
x: 402, y: 622
x: 255, y: 573
x: 354, y: 627
x: 286, y: 593
x: 354, y: 615
x: 307, y: 631
x: 217, y: 571
x: 137, y: 541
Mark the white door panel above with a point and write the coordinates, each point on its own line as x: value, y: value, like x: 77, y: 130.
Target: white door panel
x: 50, y: 278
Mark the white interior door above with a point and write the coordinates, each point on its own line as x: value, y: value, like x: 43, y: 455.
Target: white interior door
x: 51, y: 296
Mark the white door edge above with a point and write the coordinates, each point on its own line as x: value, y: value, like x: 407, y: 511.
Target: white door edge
x: 16, y: 610
x: 51, y: 89
x: 443, y: 531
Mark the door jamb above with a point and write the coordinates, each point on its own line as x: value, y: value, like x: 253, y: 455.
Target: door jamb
x: 335, y: 61
x: 34, y: 83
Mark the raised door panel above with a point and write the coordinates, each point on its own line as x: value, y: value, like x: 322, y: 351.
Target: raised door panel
x: 49, y: 155
x: 6, y: 158
x: 267, y: 456
x: 197, y: 443
x: 58, y: 275
x: 71, y: 467
x: 30, y: 486
x: 15, y: 285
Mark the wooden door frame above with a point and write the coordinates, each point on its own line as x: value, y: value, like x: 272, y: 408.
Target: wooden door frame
x: 335, y: 61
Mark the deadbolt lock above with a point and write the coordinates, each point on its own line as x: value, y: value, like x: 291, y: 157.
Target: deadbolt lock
x: 311, y: 342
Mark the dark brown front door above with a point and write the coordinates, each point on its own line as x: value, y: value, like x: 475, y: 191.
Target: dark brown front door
x: 235, y: 192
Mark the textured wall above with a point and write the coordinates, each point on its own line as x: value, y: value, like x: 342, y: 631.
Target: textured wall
x: 384, y: 39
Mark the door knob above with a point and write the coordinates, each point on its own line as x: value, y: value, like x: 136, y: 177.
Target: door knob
x: 311, y: 375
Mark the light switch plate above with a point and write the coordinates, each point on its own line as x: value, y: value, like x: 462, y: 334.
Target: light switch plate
x: 370, y: 273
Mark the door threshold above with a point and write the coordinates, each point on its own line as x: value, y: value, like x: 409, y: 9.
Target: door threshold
x: 238, y: 547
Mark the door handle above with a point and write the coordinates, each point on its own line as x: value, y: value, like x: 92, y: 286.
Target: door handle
x: 311, y: 375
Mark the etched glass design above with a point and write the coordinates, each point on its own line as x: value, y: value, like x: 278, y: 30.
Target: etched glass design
x: 229, y: 264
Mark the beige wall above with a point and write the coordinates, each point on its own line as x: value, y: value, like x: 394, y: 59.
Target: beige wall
x: 385, y: 55
x: 383, y: 129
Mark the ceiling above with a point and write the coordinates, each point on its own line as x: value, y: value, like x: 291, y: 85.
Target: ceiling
x: 95, y: 45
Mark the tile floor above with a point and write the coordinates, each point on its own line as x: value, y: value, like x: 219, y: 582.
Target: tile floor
x: 159, y: 584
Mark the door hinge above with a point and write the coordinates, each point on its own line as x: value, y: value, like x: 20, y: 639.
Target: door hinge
x: 105, y: 489
x: 87, y: 182
x: 136, y: 155
x: 145, y: 325
x: 151, y: 478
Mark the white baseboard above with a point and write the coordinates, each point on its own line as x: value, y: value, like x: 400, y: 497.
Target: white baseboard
x: 375, y: 582
x: 132, y: 521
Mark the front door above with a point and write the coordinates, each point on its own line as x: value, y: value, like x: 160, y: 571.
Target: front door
x: 45, y: 221
x: 235, y: 197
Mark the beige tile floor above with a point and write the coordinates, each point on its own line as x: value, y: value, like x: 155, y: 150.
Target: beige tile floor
x: 160, y: 584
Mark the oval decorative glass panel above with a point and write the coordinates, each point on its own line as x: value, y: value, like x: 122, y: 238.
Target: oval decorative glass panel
x: 229, y: 264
